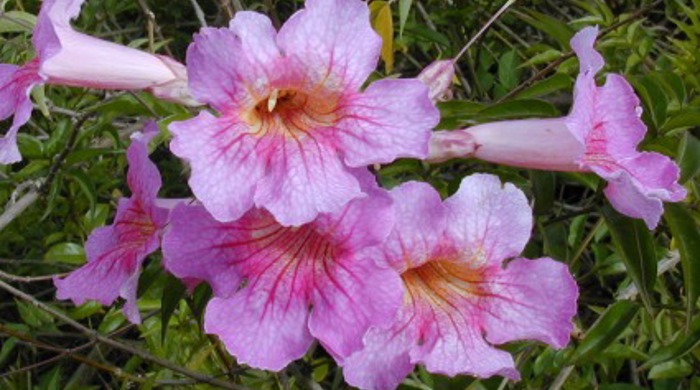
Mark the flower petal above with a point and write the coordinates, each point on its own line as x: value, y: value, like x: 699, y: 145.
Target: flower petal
x: 438, y: 78
x: 232, y: 68
x: 333, y: 41
x: 591, y: 62
x: 260, y: 328
x: 390, y: 119
x: 225, y: 163
x: 531, y: 300
x: 349, y: 296
x: 15, y: 85
x: 641, y: 187
x: 491, y: 222
x: 305, y: 178
x: 195, y: 248
x: 420, y: 221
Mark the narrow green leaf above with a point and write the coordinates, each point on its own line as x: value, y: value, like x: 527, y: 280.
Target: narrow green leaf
x: 685, y: 232
x: 543, y: 187
x: 16, y: 21
x: 173, y: 291
x: 66, y: 252
x: 508, y: 70
x: 404, y: 9
x: 552, y: 27
x: 681, y: 345
x: 555, y: 83
x: 685, y: 118
x: 689, y: 157
x: 636, y: 247
x: 85, y: 185
x: 605, y: 330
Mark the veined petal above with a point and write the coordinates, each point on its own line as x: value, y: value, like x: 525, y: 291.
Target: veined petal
x: 531, y: 300
x: 422, y: 221
x: 196, y: 247
x: 261, y: 328
x: 232, y: 68
x: 333, y: 41
x: 438, y: 78
x: 390, y: 119
x: 591, y: 62
x: 115, y: 253
x: 491, y: 221
x: 305, y: 178
x: 15, y: 85
x: 285, y: 272
x: 226, y: 162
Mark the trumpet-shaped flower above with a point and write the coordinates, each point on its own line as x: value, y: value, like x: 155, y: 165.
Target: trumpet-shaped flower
x: 601, y: 134
x: 459, y: 297
x: 115, y: 252
x: 67, y: 57
x: 277, y: 288
x: 293, y: 120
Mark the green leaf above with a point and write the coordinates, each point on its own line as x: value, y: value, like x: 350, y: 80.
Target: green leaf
x: 404, y: 9
x: 552, y: 27
x: 508, y: 70
x: 555, y: 83
x: 66, y: 252
x: 685, y: 118
x: 681, y: 345
x: 685, y: 232
x: 173, y: 291
x: 605, y: 331
x: 636, y: 247
x: 85, y: 185
x: 689, y: 157
x: 543, y: 187
x: 16, y: 21
x: 669, y: 370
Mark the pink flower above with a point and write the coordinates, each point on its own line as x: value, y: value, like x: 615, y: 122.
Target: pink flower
x: 277, y: 288
x: 601, y: 134
x: 15, y: 85
x: 460, y: 298
x: 292, y: 119
x: 67, y: 57
x: 75, y: 59
x: 115, y: 252
x: 438, y: 78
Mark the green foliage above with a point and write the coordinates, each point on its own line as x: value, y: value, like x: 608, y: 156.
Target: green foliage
x: 637, y: 323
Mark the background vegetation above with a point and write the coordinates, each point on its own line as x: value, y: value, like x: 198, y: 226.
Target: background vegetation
x: 633, y: 329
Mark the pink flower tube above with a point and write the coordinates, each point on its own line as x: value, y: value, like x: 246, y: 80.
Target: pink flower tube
x: 67, y: 57
x: 600, y: 135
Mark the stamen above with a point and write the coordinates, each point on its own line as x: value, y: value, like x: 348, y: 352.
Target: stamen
x: 272, y: 100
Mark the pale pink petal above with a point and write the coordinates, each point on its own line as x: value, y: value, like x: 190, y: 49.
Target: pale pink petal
x: 197, y: 247
x: 364, y: 222
x: 618, y: 115
x: 232, y: 68
x: 591, y: 62
x: 305, y: 178
x: 420, y: 221
x: 490, y: 221
x: 262, y: 329
x: 349, y: 295
x: 460, y: 348
x: 129, y: 291
x: 438, y: 78
x: 644, y: 182
x: 389, y: 120
x: 333, y: 41
x: 385, y: 360
x: 225, y: 163
x: 15, y: 85
x: 448, y: 144
x: 531, y: 300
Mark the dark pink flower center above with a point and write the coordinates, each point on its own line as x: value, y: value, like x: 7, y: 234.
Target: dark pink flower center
x: 440, y: 282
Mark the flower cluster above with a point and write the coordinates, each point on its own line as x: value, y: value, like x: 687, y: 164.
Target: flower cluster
x: 288, y: 226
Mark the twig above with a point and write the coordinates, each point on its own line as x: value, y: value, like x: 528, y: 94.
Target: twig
x: 29, y: 279
x: 93, y: 335
x: 665, y: 265
x: 199, y: 13
x: 553, y: 65
x: 561, y: 378
x: 485, y: 27
x: 18, y: 208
